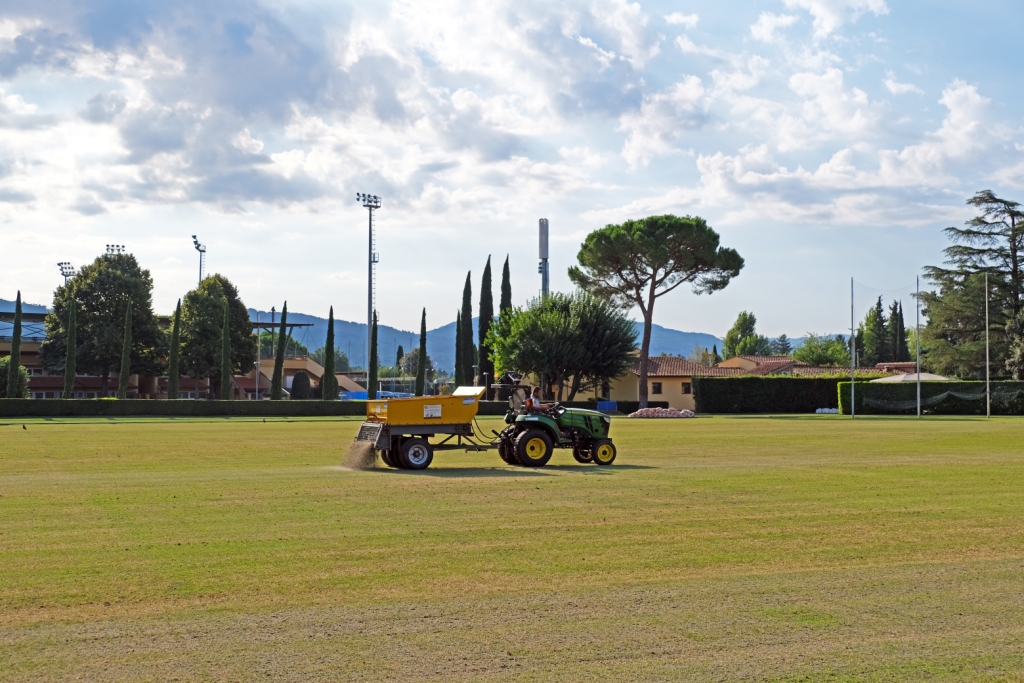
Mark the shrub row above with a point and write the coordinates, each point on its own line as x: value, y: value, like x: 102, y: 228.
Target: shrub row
x: 203, y: 408
x: 501, y: 407
x: 901, y: 398
x: 764, y: 394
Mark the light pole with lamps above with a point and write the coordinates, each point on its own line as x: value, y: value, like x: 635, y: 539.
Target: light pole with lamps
x: 370, y: 202
x: 67, y: 270
x: 201, y: 248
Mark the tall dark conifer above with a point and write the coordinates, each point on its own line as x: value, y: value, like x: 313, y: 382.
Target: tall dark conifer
x: 468, y: 347
x: 421, y: 358
x: 459, y: 378
x: 70, y: 357
x: 371, y: 376
x: 276, y: 382
x: 12, y: 370
x: 506, y: 289
x: 174, y: 360
x: 398, y: 356
x: 329, y: 382
x: 227, y: 383
x: 126, y: 354
x: 486, y: 320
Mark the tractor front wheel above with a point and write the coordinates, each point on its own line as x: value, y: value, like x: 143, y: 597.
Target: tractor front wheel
x: 534, y: 448
x: 416, y: 454
x: 603, y: 452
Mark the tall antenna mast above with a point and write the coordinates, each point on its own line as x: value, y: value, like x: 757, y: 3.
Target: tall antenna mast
x: 370, y: 202
x: 545, y: 277
x: 201, y: 248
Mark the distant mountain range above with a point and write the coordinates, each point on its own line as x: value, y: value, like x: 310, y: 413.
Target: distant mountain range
x: 350, y: 337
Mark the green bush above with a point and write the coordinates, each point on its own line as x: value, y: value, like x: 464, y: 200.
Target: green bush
x: 764, y: 394
x: 301, y: 386
x: 5, y: 368
x: 141, y: 407
x: 900, y: 398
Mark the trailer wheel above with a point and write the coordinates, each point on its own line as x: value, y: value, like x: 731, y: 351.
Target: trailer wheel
x: 603, y: 452
x: 533, y: 448
x: 582, y: 454
x: 416, y: 454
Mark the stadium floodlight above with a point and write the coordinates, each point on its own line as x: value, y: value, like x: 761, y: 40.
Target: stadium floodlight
x: 201, y: 248
x: 67, y: 270
x: 115, y: 249
x: 370, y: 203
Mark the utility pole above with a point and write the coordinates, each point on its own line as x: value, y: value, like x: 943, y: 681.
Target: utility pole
x: 988, y: 389
x: 917, y: 337
x: 370, y: 202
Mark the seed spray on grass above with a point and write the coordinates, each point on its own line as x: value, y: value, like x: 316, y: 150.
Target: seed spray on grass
x: 361, y: 456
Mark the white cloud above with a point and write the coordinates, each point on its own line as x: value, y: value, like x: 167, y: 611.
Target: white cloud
x: 662, y: 120
x: 768, y: 23
x: 680, y: 19
x: 829, y: 15
x: 897, y: 88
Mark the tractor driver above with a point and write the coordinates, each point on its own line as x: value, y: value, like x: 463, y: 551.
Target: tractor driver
x: 533, y: 402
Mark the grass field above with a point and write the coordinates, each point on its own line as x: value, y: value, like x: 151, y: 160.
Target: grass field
x: 775, y: 549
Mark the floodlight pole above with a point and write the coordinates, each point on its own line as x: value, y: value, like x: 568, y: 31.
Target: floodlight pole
x: 66, y: 270
x: 201, y: 248
x: 988, y: 389
x: 853, y: 356
x: 370, y: 202
x: 918, y: 338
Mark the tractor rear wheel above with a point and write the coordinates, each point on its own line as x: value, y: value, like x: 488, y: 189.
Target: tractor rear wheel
x: 416, y: 454
x: 582, y: 454
x: 534, y: 448
x: 603, y: 452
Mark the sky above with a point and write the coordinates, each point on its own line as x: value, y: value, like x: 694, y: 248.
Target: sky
x: 822, y: 139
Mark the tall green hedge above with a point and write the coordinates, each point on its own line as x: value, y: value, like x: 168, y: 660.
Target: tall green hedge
x: 1007, y: 398
x: 764, y: 394
x: 204, y: 408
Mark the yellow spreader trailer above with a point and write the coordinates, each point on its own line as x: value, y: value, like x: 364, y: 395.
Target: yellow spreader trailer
x: 399, y: 428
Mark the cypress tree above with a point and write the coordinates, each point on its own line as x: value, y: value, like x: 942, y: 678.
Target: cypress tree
x: 506, y: 289
x: 329, y: 383
x: 459, y: 379
x: 126, y: 354
x: 398, y: 356
x: 70, y: 359
x: 421, y: 359
x: 486, y: 320
x: 227, y: 383
x: 12, y: 369
x: 371, y: 376
x: 468, y: 347
x: 902, y: 351
x: 174, y: 362
x: 276, y: 390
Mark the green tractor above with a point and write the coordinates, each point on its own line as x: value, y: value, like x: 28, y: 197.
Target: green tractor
x: 532, y: 435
